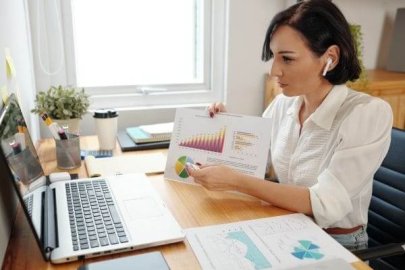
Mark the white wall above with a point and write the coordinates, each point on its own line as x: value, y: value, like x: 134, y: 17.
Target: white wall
x: 15, y: 36
x: 248, y: 22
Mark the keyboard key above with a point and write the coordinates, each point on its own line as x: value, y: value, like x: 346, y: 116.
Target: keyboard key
x: 94, y: 244
x: 123, y: 239
x: 113, y: 239
x: 104, y: 241
x: 114, y: 214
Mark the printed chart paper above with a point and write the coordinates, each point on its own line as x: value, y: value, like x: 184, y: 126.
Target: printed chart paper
x: 270, y: 243
x: 238, y: 141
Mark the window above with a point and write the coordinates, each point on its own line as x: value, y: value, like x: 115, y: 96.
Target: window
x: 145, y: 52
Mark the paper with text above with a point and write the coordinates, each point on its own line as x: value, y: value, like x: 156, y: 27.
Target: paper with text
x: 278, y: 242
x: 238, y: 141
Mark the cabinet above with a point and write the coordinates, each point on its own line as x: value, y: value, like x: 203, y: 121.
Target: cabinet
x: 387, y: 85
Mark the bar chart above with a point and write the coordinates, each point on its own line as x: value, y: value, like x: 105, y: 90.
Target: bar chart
x: 213, y: 142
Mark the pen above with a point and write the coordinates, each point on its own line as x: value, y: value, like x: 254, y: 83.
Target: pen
x: 62, y: 134
x: 53, y: 127
x: 16, y: 147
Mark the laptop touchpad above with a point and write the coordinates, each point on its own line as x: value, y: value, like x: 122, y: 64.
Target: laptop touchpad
x: 142, y: 207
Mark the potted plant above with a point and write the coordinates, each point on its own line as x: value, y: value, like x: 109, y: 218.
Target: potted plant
x: 64, y: 105
x: 362, y: 81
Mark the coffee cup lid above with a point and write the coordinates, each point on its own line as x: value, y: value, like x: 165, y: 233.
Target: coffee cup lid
x: 105, y: 113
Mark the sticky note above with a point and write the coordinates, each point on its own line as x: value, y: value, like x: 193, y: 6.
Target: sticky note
x: 10, y: 69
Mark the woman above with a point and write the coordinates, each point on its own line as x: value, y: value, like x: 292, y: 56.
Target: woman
x: 327, y: 141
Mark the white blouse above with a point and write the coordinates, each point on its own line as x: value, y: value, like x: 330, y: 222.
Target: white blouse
x: 340, y: 147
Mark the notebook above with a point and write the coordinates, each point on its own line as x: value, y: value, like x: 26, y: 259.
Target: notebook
x: 140, y: 136
x: 83, y: 218
x: 127, y: 144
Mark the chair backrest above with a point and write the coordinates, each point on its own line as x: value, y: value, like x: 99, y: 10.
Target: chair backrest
x: 387, y: 209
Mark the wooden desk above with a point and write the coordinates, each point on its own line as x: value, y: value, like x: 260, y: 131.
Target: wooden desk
x: 191, y: 205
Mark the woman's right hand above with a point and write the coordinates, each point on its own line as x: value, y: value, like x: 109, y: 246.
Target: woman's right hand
x: 216, y: 107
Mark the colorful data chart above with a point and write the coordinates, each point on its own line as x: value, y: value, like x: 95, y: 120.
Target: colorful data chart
x: 252, y: 253
x: 307, y: 250
x: 180, y: 166
x: 208, y: 142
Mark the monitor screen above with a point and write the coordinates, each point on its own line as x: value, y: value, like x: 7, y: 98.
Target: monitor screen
x: 20, y: 164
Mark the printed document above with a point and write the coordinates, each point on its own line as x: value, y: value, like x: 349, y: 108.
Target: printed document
x: 280, y: 242
x: 238, y: 141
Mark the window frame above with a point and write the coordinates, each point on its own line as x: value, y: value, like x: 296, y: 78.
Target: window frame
x: 162, y: 96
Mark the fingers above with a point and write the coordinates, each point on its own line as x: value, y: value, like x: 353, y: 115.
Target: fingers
x: 193, y: 166
x: 192, y: 169
x: 216, y: 108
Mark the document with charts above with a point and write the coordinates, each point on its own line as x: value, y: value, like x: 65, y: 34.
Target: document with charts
x: 238, y: 141
x: 279, y: 242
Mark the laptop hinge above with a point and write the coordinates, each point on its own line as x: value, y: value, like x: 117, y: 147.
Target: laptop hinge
x: 50, y: 221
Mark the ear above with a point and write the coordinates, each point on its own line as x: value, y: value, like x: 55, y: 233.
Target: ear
x: 331, y: 55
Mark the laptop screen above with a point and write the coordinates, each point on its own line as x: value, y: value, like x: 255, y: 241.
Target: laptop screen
x: 20, y: 164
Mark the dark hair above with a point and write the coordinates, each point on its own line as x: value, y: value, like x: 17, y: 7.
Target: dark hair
x: 322, y: 24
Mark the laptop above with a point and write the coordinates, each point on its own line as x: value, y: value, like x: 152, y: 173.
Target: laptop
x: 76, y: 219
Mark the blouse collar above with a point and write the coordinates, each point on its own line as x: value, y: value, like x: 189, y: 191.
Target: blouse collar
x: 324, y: 115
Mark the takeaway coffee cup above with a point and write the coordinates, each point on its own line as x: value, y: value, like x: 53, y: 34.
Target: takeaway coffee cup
x: 106, y: 128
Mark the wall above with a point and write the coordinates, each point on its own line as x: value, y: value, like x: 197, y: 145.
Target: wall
x: 247, y: 27
x: 376, y: 18
x: 14, y: 35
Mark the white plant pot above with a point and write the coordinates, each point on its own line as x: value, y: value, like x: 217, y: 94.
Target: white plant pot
x: 73, y: 125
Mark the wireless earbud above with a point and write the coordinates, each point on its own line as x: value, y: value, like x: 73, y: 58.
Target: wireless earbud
x: 328, y: 63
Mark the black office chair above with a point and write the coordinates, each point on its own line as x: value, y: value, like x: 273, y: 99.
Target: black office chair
x: 386, y: 216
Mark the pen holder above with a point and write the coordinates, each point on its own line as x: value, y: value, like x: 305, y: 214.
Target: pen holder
x: 68, y: 152
x: 25, y: 166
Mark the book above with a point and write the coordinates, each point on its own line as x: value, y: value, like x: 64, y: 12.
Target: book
x: 158, y: 130
x: 127, y: 144
x: 138, y: 135
x: 141, y: 163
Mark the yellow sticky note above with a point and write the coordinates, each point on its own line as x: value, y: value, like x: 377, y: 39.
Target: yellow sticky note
x: 10, y: 69
x: 4, y: 93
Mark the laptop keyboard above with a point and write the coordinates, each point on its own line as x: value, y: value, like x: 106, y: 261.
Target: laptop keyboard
x: 93, y: 217
x: 28, y: 203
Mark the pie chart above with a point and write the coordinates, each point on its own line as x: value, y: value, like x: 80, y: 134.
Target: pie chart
x: 180, y: 166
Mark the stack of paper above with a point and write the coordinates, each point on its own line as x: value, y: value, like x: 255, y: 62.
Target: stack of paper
x: 143, y: 163
x: 164, y: 129
x: 151, y: 133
